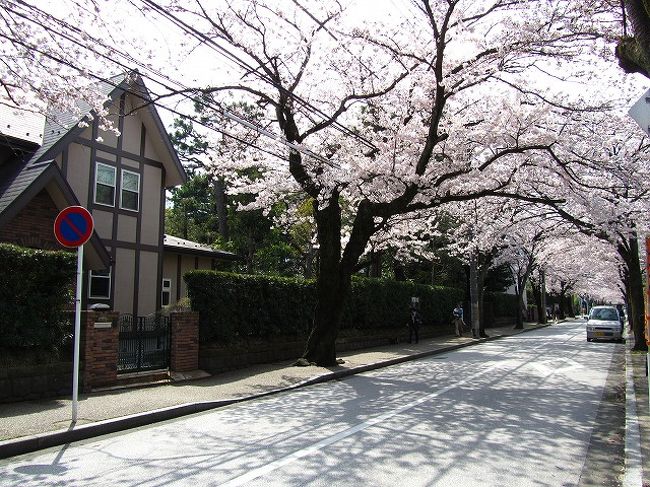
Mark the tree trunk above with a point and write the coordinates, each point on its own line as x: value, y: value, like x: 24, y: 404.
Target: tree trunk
x: 519, y: 325
x: 375, y: 263
x: 334, y: 278
x: 562, y: 302
x: 398, y: 271
x: 521, y: 289
x: 250, y: 254
x: 222, y: 212
x: 629, y: 251
x: 537, y: 296
x: 542, y: 290
x: 331, y: 287
x: 309, y: 262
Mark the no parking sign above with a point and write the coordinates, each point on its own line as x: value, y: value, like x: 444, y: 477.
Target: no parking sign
x: 73, y: 227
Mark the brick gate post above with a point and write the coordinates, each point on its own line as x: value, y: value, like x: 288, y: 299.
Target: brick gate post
x: 184, y: 341
x: 100, y: 348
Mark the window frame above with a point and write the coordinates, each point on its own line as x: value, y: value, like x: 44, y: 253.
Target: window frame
x: 91, y: 276
x: 122, y: 190
x: 114, y: 169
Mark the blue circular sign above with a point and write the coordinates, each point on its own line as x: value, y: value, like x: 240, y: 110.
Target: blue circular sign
x: 73, y: 226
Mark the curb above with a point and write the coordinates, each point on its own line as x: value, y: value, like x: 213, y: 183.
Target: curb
x: 28, y: 444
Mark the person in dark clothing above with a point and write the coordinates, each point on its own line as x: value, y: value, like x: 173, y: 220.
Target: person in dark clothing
x: 414, y: 322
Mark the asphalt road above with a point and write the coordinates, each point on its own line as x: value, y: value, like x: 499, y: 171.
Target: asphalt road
x: 521, y: 411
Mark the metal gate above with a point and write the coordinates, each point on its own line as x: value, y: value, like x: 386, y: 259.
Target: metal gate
x: 144, y: 343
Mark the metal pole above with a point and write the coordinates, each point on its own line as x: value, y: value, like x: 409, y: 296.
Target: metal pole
x: 77, y: 334
x: 473, y: 292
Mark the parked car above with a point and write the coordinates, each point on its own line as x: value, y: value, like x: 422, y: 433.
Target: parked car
x: 604, y: 323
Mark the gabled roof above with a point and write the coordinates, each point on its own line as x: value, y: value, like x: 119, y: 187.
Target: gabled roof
x: 21, y: 182
x: 182, y: 246
x: 21, y: 125
x: 60, y: 132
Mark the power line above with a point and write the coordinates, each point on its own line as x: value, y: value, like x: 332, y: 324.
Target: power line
x: 252, y: 70
x: 178, y: 89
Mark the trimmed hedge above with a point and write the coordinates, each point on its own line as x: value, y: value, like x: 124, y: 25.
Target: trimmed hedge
x: 232, y: 305
x: 35, y: 288
x: 503, y: 305
x: 235, y: 306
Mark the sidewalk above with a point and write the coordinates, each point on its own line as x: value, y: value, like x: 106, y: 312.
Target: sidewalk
x: 636, y: 363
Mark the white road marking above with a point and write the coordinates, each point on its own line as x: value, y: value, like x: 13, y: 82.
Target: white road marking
x: 281, y: 462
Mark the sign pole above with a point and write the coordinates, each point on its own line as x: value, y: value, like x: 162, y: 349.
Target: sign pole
x: 77, y: 335
x: 647, y: 312
x: 73, y: 226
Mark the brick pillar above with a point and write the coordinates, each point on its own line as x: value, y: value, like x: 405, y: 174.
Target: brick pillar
x: 184, y: 341
x: 100, y: 348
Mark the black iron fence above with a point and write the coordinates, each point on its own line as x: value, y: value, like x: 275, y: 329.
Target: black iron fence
x: 143, y: 343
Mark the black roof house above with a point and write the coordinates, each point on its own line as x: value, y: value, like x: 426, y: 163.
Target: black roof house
x: 27, y: 161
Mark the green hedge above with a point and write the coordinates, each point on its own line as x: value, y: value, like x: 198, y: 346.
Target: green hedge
x: 503, y: 305
x: 499, y: 305
x: 35, y: 287
x: 235, y: 306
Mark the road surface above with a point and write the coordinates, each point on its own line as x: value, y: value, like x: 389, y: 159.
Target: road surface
x: 520, y: 411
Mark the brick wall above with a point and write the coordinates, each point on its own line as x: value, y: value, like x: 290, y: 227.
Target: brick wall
x: 100, y: 349
x: 33, y: 226
x: 184, y: 341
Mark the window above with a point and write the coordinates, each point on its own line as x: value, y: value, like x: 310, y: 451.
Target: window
x: 130, y: 190
x: 100, y: 284
x: 105, y: 184
x: 166, y: 296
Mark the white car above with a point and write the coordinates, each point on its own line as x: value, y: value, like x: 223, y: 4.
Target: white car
x: 604, y: 323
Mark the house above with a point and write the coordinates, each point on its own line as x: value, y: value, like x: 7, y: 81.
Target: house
x: 129, y: 263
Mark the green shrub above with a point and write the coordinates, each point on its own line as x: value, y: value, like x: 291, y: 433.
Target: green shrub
x: 379, y: 303
x: 501, y: 305
x: 234, y: 306
x: 35, y: 288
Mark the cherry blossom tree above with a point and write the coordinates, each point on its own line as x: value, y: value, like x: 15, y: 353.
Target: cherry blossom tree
x: 398, y: 126
x: 367, y: 120
x: 578, y: 264
x: 606, y: 185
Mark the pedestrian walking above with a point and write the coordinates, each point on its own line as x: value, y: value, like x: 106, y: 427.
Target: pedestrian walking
x: 414, y: 322
x: 458, y: 320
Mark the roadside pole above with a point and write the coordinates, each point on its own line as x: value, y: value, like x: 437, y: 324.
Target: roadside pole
x: 77, y: 334
x: 646, y: 297
x: 73, y: 227
x: 640, y: 113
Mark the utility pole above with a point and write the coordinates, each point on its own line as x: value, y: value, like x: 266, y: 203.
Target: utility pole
x: 542, y: 291
x: 473, y: 293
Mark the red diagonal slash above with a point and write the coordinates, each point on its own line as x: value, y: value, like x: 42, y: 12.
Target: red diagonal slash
x: 73, y: 227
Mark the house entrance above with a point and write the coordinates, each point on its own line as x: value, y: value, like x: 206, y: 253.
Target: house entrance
x: 143, y: 343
